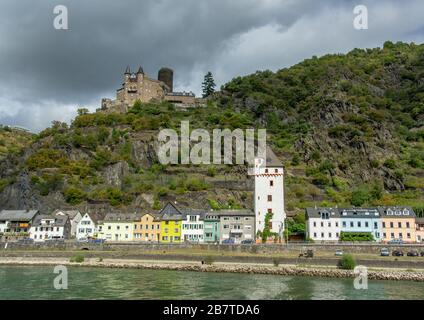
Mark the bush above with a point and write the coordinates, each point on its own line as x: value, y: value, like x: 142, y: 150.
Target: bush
x: 276, y: 262
x: 356, y: 236
x: 74, y: 195
x: 79, y: 258
x: 347, y: 262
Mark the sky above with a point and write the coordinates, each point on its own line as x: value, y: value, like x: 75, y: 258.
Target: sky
x: 46, y: 74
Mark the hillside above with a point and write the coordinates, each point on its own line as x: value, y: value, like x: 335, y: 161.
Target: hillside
x: 349, y: 129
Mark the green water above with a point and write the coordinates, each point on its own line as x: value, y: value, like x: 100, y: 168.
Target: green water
x: 91, y: 283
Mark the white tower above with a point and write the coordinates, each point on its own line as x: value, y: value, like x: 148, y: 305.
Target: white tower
x: 269, y: 193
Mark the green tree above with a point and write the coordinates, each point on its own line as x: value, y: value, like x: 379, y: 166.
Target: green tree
x: 208, y: 85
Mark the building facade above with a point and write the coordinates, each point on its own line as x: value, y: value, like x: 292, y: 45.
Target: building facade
x: 57, y: 227
x: 419, y: 231
x: 16, y: 223
x: 171, y: 222
x: 269, y: 194
x: 323, y: 224
x: 74, y: 218
x: 398, y: 224
x: 362, y: 220
x: 88, y: 226
x: 212, y: 228
x: 147, y: 228
x: 192, y: 226
x: 118, y: 227
x: 237, y: 224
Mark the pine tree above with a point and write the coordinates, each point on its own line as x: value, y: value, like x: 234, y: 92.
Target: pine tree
x: 208, y: 85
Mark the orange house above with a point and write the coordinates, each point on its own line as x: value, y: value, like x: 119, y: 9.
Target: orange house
x: 147, y: 228
x: 398, y: 223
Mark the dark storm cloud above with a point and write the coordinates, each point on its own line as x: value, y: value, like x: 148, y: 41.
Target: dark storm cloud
x: 45, y: 73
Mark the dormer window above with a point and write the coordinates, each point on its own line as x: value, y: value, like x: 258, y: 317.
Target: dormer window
x: 406, y: 212
x: 389, y: 212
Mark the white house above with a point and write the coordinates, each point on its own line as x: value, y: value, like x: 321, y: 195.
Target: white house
x: 323, y: 224
x: 74, y: 217
x: 56, y: 227
x: 269, y: 193
x: 192, y: 228
x: 87, y: 227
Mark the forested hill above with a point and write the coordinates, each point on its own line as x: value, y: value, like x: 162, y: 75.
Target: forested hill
x: 349, y: 129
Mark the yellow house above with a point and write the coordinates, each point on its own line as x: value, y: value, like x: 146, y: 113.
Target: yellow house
x: 147, y: 228
x: 118, y: 227
x: 170, y: 227
x: 398, y: 224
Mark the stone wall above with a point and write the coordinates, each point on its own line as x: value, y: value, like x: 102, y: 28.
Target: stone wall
x: 254, y: 249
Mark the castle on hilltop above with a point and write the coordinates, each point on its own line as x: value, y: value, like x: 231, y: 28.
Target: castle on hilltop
x: 138, y: 86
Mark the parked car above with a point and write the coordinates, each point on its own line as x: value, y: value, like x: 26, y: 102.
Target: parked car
x: 384, y: 252
x: 413, y: 253
x: 97, y: 241
x: 396, y: 241
x: 339, y: 253
x: 307, y: 254
x: 247, y: 241
x: 397, y: 253
x: 229, y: 241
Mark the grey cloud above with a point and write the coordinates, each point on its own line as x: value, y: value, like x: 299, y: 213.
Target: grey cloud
x: 45, y: 72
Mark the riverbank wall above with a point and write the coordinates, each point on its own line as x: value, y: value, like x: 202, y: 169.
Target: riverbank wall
x: 221, y: 268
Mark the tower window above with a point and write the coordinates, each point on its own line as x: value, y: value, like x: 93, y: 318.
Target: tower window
x: 271, y: 183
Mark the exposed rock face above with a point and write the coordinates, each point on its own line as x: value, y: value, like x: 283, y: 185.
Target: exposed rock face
x: 115, y: 173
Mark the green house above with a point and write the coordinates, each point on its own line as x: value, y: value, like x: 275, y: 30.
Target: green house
x: 211, y: 228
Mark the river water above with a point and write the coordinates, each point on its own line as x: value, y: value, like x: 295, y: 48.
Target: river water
x: 92, y: 283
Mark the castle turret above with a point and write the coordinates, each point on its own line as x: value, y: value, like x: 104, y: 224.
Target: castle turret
x: 127, y: 74
x: 166, y: 75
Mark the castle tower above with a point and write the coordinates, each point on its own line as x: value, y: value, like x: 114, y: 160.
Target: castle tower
x: 127, y: 74
x: 166, y: 75
x: 140, y: 74
x: 269, y: 193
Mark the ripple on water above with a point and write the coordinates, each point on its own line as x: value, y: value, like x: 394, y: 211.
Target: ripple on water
x: 87, y: 283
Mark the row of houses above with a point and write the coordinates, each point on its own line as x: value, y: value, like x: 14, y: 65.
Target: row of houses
x: 383, y: 224
x: 170, y: 225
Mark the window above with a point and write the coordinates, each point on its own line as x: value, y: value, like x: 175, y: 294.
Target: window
x: 359, y: 224
x: 408, y: 225
x: 337, y: 235
x: 109, y: 227
x: 276, y: 170
x: 344, y: 224
x: 266, y: 170
x: 367, y: 224
x: 384, y: 235
x: 392, y: 235
x: 322, y: 224
x: 315, y: 224
x: 400, y: 235
x: 329, y: 224
x: 408, y: 235
x: 322, y: 235
x: 269, y: 198
x: 392, y: 225
x: 375, y: 225
x: 337, y: 224
x: 271, y: 183
x: 384, y: 224
x: 329, y: 235
x: 315, y: 234
x: 351, y: 224
x: 400, y: 224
